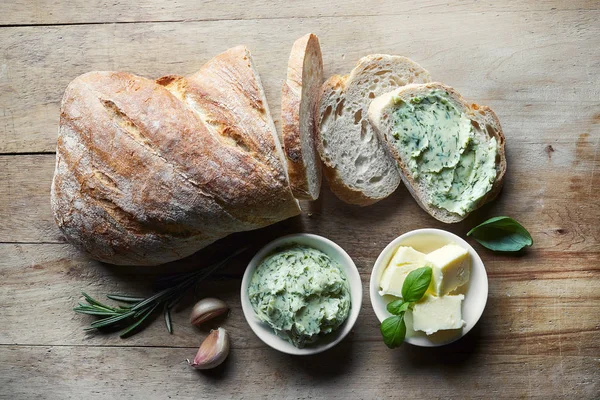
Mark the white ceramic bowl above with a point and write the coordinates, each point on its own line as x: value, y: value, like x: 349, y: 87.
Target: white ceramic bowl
x: 265, y: 333
x: 476, y: 291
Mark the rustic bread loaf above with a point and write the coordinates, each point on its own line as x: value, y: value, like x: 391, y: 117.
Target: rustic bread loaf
x: 484, y: 130
x: 298, y: 98
x: 151, y: 171
x: 356, y: 164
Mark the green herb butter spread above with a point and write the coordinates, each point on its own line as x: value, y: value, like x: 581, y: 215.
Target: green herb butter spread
x: 301, y: 293
x: 456, y: 166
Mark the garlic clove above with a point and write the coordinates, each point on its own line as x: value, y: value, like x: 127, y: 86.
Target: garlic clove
x: 213, y: 350
x: 206, y: 309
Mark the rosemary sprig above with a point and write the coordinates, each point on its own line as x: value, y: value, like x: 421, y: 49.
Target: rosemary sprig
x: 124, y: 299
x: 168, y: 319
x: 131, y: 317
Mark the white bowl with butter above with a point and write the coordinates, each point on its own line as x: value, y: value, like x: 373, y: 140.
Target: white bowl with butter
x: 475, y: 291
x: 334, y: 252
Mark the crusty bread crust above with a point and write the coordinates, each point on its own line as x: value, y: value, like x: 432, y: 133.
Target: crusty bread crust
x: 152, y: 171
x: 299, y: 96
x: 483, y: 119
x: 353, y: 93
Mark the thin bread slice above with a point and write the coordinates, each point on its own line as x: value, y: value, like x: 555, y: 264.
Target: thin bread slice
x: 480, y: 135
x: 298, y: 98
x: 356, y: 164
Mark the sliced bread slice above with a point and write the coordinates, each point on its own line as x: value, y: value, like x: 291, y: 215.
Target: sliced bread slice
x: 450, y: 153
x: 356, y: 164
x: 298, y: 98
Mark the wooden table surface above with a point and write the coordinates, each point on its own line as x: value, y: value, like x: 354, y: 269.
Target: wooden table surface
x: 536, y: 63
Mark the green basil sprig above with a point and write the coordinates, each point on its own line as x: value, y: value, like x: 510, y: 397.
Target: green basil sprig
x: 416, y: 284
x: 501, y: 234
x: 393, y: 329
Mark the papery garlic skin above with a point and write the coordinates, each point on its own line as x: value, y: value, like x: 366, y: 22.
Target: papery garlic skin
x: 213, y: 350
x: 207, y: 309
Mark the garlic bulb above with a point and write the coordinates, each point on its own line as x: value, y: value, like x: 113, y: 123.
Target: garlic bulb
x: 206, y: 309
x: 213, y: 351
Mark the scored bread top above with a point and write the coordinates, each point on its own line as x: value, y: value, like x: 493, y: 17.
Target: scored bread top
x: 485, y: 124
x: 151, y: 171
x: 357, y: 165
x: 299, y: 96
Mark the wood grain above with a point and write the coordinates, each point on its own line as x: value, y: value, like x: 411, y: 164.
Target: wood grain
x: 34, y: 12
x: 422, y: 373
x: 535, y: 63
x: 530, y: 309
x: 554, y: 195
x: 258, y: 373
x: 522, y: 77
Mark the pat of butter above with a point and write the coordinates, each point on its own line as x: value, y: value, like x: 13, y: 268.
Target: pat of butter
x: 433, y: 314
x: 451, y: 268
x: 405, y: 260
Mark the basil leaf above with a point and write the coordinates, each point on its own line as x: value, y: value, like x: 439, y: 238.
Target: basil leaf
x: 397, y: 307
x: 501, y: 234
x: 416, y: 284
x: 393, y: 330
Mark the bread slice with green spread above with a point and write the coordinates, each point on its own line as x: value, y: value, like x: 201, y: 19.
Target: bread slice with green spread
x: 356, y: 164
x: 450, y: 153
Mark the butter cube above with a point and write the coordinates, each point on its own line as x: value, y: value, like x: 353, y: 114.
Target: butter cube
x: 433, y: 314
x: 451, y: 268
x: 407, y: 255
x: 405, y: 260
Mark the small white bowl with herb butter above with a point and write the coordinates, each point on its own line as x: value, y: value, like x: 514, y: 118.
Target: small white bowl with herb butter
x: 301, y: 294
x: 455, y: 298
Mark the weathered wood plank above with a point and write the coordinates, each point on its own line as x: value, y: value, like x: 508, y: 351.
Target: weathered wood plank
x: 544, y: 302
x: 22, y: 12
x: 25, y: 199
x: 542, y: 85
x: 535, y: 63
x: 159, y: 373
x: 552, y: 192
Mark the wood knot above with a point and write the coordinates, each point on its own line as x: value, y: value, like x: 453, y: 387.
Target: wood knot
x: 561, y: 231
